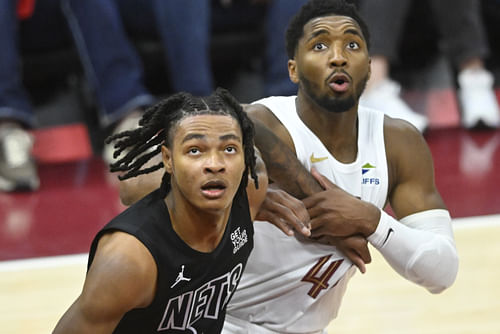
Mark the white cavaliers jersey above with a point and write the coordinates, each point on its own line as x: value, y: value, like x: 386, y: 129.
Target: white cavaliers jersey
x: 291, y: 284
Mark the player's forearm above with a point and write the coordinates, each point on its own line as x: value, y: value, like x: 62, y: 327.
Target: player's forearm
x: 421, y: 248
x: 282, y: 165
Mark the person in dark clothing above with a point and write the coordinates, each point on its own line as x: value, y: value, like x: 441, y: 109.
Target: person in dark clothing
x: 172, y: 261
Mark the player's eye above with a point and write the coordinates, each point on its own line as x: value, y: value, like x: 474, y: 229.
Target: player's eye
x: 319, y: 46
x: 353, y: 45
x: 230, y: 149
x: 193, y: 151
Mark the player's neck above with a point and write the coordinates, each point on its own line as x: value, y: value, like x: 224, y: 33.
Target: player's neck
x: 325, y: 121
x: 202, y: 230
x: 337, y: 131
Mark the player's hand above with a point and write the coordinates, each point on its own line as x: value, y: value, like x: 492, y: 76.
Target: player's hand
x: 355, y: 248
x: 285, y: 212
x: 334, y: 212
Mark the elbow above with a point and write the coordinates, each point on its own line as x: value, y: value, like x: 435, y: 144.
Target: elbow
x: 447, y: 273
x: 436, y: 269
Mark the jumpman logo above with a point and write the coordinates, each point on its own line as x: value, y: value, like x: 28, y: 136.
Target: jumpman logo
x: 180, y: 277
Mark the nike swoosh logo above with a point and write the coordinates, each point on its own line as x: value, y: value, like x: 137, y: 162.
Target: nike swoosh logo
x: 388, y: 235
x: 313, y: 159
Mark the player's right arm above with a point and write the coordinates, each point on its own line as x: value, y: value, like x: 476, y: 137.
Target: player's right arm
x: 288, y: 179
x: 122, y: 277
x: 292, y: 182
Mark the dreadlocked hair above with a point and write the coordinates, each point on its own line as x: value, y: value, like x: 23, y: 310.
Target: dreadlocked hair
x: 155, y: 129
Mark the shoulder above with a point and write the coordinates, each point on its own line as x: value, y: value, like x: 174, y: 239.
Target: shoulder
x: 264, y: 109
x: 266, y: 123
x: 409, y: 158
x: 402, y: 139
x: 124, y: 247
x: 123, y: 272
x: 261, y: 113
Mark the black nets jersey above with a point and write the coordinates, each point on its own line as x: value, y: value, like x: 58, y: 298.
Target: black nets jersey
x: 193, y: 288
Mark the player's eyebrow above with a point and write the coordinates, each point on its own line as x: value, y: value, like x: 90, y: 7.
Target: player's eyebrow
x: 326, y: 32
x: 353, y: 32
x: 229, y: 137
x: 202, y: 137
x: 317, y: 33
x: 193, y: 136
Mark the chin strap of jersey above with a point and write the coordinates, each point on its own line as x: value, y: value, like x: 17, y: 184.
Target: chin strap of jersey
x: 420, y: 247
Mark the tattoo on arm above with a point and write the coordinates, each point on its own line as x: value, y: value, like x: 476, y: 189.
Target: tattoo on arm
x: 282, y: 165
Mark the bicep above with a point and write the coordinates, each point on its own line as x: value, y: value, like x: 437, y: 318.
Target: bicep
x: 122, y: 277
x: 412, y: 175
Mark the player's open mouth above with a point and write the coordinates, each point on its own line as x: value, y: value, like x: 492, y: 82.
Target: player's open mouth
x: 339, y: 82
x: 213, y: 189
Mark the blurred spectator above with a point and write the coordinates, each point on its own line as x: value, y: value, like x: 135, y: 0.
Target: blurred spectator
x: 185, y: 29
x: 464, y: 43
x: 112, y: 69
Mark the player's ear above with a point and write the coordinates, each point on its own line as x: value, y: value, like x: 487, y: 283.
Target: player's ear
x: 292, y: 71
x: 369, y: 68
x: 166, y: 154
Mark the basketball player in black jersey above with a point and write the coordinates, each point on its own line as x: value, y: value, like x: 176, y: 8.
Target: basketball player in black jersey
x: 172, y: 261
x: 329, y: 60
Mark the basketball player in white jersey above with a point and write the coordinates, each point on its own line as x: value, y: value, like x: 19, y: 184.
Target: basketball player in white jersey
x: 295, y: 285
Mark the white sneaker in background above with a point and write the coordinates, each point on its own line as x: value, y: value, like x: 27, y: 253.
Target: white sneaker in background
x: 477, y: 98
x: 130, y: 122
x: 385, y: 97
x: 17, y: 167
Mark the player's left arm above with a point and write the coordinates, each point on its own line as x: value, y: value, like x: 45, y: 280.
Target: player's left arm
x: 419, y: 243
x: 412, y: 185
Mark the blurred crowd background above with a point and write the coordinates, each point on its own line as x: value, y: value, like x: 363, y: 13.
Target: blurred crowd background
x: 100, y: 63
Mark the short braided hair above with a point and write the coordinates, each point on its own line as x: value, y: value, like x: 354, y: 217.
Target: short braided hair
x: 320, y: 8
x: 155, y: 129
